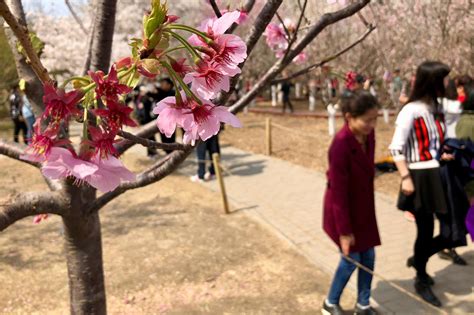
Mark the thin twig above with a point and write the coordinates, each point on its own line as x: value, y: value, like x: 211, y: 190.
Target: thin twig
x: 328, y: 59
x: 215, y: 8
x: 75, y: 16
x: 246, y: 8
x: 287, y: 32
x: 150, y: 143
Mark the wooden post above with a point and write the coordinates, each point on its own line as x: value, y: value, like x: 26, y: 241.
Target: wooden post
x: 220, y: 178
x: 268, y: 137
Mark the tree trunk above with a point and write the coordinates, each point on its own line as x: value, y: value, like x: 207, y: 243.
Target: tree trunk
x: 104, y: 32
x: 34, y: 88
x: 83, y: 245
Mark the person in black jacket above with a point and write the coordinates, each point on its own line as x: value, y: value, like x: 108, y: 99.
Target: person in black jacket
x: 17, y: 116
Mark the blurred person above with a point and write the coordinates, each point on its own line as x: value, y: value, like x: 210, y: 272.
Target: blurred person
x: 463, y: 83
x: 286, y: 90
x: 211, y: 145
x: 452, y: 109
x: 16, y: 115
x: 350, y: 221
x: 28, y: 115
x: 419, y: 133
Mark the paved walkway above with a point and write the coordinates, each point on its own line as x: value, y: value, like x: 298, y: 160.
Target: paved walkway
x: 288, y: 199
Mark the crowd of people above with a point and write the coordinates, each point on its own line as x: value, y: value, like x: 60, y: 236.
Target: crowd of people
x: 433, y: 150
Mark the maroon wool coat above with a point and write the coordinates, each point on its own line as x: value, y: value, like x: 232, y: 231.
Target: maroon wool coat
x: 349, y: 206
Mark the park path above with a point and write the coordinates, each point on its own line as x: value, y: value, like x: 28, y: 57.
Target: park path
x: 288, y: 199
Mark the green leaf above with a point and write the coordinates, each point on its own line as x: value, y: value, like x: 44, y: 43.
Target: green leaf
x: 37, y: 44
x: 156, y: 17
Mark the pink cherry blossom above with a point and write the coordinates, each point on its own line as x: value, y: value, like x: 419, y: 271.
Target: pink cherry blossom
x: 61, y: 163
x: 110, y: 87
x: 109, y: 174
x: 205, y: 120
x: 300, y: 58
x: 60, y: 105
x: 208, y: 79
x: 40, y: 217
x: 275, y: 35
x: 170, y: 114
x: 102, y: 141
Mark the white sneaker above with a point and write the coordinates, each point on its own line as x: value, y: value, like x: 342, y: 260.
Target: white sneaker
x: 196, y: 179
x: 208, y: 176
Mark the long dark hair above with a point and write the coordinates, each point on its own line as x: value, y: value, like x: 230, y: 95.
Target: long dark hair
x: 429, y: 81
x: 451, y: 93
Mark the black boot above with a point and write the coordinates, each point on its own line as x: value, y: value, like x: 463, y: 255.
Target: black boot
x: 424, y: 290
x: 450, y: 254
x: 426, y: 277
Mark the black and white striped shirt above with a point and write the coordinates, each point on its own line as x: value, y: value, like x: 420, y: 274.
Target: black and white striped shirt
x: 418, y: 136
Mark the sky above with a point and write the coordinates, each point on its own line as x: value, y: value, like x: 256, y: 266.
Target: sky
x: 52, y: 7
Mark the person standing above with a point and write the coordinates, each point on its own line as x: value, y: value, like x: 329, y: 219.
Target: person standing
x: 17, y: 116
x: 286, y: 89
x: 349, y: 206
x: 211, y: 145
x: 28, y: 115
x: 452, y: 109
x: 418, y: 136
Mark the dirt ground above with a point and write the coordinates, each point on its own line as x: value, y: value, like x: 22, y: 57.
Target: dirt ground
x: 167, y: 249
x: 306, y: 144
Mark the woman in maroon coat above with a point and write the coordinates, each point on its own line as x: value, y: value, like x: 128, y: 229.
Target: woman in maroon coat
x: 349, y: 207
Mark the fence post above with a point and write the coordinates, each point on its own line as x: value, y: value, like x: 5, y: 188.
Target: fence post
x: 268, y: 137
x: 217, y: 168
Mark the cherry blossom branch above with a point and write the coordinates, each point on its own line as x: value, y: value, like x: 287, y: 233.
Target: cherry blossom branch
x: 325, y: 20
x: 14, y: 151
x: 155, y: 173
x: 287, y: 32
x: 150, y: 143
x: 22, y: 205
x: 263, y: 19
x: 22, y: 34
x: 303, y: 11
x: 326, y: 60
x: 248, y: 6
x: 74, y: 15
x: 145, y: 131
x: 215, y: 8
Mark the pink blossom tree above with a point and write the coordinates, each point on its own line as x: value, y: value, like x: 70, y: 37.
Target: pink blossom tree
x: 75, y: 174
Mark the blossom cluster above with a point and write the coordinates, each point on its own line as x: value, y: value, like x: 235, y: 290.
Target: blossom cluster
x: 97, y: 99
x: 277, y: 39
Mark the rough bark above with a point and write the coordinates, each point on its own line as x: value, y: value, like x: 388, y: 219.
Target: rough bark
x: 83, y: 246
x: 103, y: 36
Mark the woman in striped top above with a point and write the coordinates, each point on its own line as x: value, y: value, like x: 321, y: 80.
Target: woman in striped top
x: 419, y: 134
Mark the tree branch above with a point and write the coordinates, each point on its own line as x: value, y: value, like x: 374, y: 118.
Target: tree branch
x: 325, y: 20
x: 263, y: 19
x: 326, y: 60
x: 145, y: 131
x: 150, y: 143
x: 74, y: 15
x: 215, y: 8
x: 13, y: 150
x: 287, y: 32
x: 27, y: 204
x: 155, y: 173
x: 21, y: 32
x: 248, y: 6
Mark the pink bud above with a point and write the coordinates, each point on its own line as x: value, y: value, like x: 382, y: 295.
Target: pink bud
x: 171, y: 18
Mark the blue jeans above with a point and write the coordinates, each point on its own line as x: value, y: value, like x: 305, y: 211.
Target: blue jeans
x: 211, y: 145
x: 344, y: 272
x: 30, y: 121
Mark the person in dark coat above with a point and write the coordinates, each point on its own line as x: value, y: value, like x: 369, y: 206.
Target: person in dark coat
x: 17, y: 116
x: 349, y: 207
x: 286, y: 90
